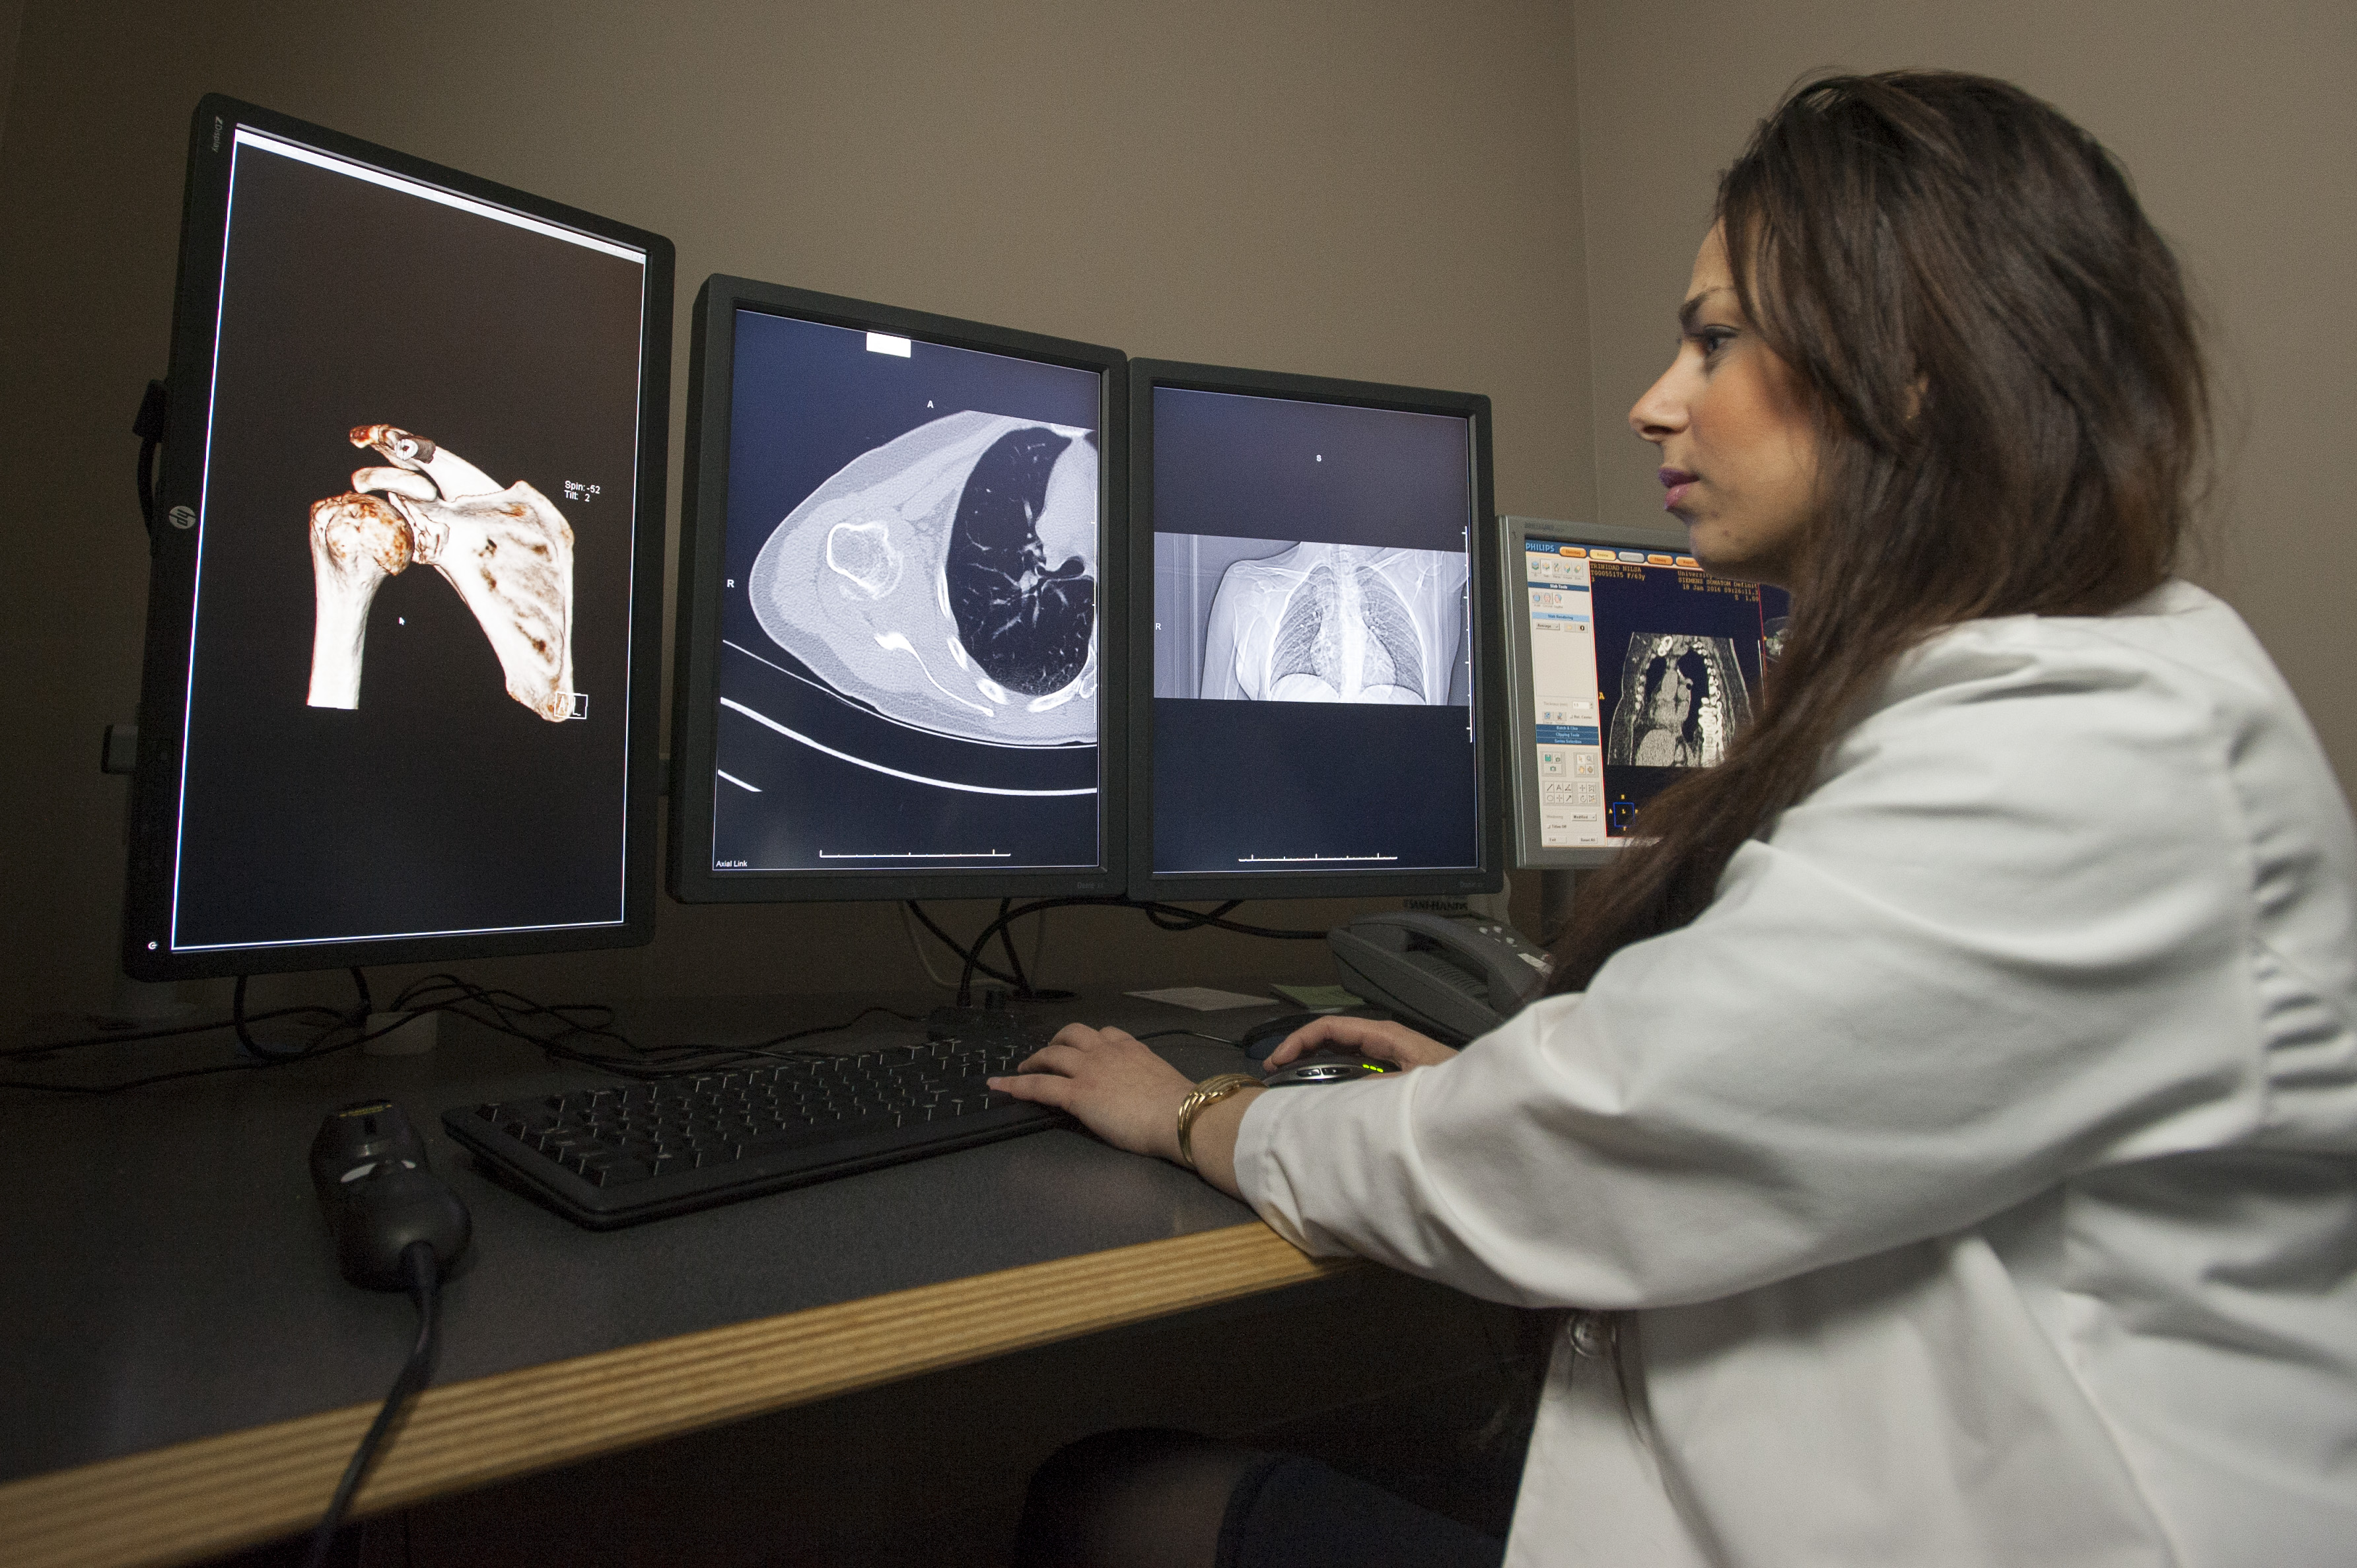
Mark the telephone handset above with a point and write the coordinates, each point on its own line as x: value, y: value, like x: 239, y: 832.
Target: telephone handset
x: 1454, y: 979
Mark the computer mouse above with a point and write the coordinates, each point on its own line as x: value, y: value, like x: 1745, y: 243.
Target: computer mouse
x: 1261, y: 1040
x: 369, y: 1168
x: 1326, y: 1067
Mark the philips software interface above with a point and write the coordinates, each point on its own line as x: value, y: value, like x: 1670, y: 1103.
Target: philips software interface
x: 1314, y: 719
x: 904, y: 646
x: 402, y: 558
x: 1634, y: 665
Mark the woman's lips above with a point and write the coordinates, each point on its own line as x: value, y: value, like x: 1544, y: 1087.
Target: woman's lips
x: 1678, y: 482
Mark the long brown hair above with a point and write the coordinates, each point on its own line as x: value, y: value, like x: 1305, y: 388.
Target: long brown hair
x: 2010, y: 403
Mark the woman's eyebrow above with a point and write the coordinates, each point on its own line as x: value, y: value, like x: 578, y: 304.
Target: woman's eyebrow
x: 1693, y: 307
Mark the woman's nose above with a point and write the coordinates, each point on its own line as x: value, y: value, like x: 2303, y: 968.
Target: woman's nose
x: 1660, y: 413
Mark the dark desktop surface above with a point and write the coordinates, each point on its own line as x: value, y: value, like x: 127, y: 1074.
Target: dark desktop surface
x: 171, y: 1277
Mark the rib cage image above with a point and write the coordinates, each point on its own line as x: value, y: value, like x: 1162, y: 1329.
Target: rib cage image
x: 1683, y: 699
x: 947, y: 578
x: 509, y: 552
x: 1337, y: 623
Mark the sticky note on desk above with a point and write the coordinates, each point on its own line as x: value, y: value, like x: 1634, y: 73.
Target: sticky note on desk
x: 1316, y: 997
x: 1202, y: 998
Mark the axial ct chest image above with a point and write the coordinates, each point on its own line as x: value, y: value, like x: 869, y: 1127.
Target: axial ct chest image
x: 947, y: 578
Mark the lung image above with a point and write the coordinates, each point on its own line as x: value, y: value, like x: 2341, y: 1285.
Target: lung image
x: 1026, y: 623
x: 947, y: 578
x: 1337, y: 623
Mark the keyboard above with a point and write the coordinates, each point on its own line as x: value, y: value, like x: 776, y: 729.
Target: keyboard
x: 623, y: 1153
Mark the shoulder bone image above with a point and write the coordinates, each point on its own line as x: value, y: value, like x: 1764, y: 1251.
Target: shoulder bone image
x: 508, y: 551
x: 1681, y: 701
x: 948, y: 579
x: 1337, y: 623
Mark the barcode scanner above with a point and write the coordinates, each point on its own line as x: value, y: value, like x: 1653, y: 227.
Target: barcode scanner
x: 368, y: 1168
x: 397, y: 1228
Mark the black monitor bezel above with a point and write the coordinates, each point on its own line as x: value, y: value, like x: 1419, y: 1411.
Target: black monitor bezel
x: 171, y: 598
x: 704, y: 523
x: 1489, y: 875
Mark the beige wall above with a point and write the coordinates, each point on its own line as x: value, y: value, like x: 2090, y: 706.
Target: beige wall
x: 2239, y: 125
x: 1377, y: 189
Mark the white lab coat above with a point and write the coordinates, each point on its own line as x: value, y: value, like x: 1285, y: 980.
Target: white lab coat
x: 1981, y: 1166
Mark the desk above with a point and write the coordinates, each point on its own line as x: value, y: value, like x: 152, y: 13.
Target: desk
x: 185, y: 1373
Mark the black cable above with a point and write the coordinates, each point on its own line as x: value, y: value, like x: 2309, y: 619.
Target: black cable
x: 368, y: 1004
x: 253, y: 1047
x: 507, y: 1013
x: 95, y: 1089
x: 1273, y: 933
x: 1189, y: 921
x: 1007, y: 940
x: 1023, y: 990
x: 1163, y: 915
x: 29, y: 1053
x: 968, y: 954
x: 318, y: 1048
x: 1168, y: 917
x: 973, y: 958
x: 421, y: 1271
x: 510, y: 1015
x: 503, y: 1012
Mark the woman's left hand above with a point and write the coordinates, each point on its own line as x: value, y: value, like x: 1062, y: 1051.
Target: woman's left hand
x: 1118, y: 1088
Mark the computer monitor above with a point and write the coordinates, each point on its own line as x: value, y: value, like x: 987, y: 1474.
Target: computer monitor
x: 895, y: 673
x: 1631, y: 665
x: 1315, y: 710
x: 403, y: 629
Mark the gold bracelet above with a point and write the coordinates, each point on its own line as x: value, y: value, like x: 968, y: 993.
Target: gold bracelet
x: 1210, y: 1091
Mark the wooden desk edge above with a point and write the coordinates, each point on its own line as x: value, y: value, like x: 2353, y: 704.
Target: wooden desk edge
x: 215, y: 1495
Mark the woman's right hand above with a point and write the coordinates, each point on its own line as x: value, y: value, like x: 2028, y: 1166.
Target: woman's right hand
x: 1382, y: 1040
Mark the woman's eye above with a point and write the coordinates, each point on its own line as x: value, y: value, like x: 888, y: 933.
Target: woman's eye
x: 1714, y: 338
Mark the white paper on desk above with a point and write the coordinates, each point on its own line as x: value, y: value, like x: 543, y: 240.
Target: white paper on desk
x: 1202, y: 998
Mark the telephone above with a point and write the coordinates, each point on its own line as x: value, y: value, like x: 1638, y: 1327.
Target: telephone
x: 1452, y: 978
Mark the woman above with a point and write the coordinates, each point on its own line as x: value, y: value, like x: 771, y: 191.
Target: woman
x: 1953, y: 1109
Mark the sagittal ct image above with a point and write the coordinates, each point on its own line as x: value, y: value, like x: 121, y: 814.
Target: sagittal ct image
x: 1683, y: 699
x: 1272, y: 620
x: 910, y: 662
x: 948, y: 579
x: 508, y: 551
